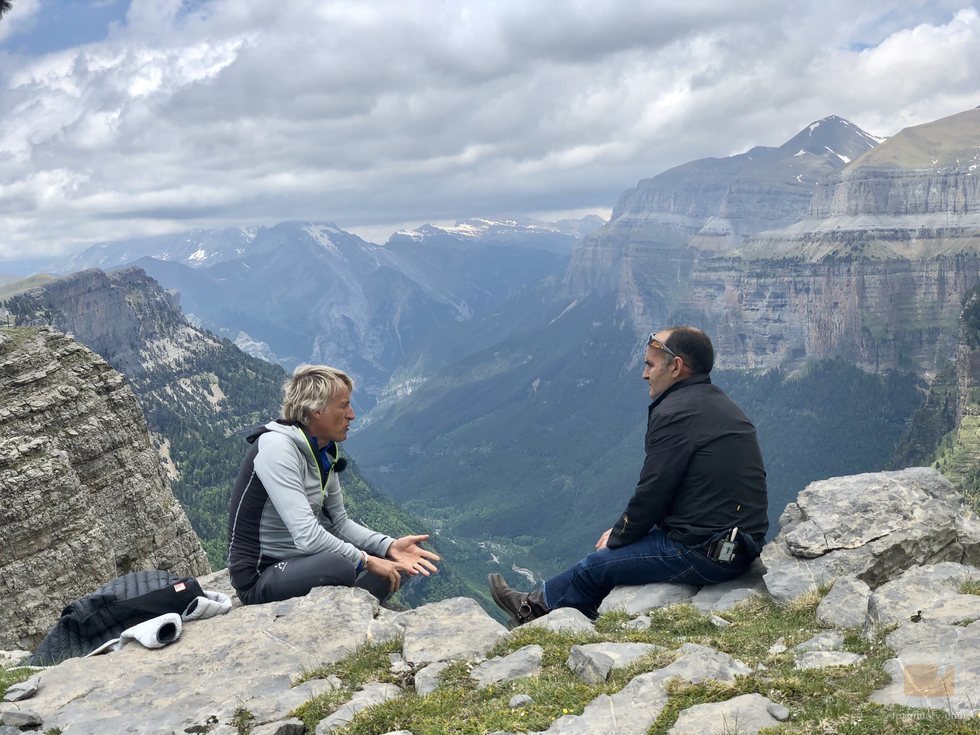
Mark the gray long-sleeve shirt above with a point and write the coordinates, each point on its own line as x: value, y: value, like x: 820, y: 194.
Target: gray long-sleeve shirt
x: 278, y: 510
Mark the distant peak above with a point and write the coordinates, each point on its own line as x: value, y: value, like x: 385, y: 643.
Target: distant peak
x: 831, y: 136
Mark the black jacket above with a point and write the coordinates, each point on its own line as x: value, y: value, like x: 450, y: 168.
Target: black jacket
x: 88, y: 622
x: 703, y: 471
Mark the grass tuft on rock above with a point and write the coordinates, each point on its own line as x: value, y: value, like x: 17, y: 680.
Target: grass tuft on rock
x: 831, y: 701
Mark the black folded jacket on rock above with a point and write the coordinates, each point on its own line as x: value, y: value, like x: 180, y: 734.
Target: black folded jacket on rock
x: 88, y: 622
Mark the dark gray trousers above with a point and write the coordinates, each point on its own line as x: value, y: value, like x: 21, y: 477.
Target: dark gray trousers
x: 297, y: 576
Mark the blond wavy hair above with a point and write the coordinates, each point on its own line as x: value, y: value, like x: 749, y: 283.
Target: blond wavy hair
x: 310, y: 389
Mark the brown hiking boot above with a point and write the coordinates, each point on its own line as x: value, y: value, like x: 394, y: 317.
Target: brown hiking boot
x: 523, y: 607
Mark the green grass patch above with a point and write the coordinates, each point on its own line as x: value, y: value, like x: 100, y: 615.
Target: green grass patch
x: 826, y: 701
x: 970, y: 587
x: 13, y: 676
x: 365, y: 664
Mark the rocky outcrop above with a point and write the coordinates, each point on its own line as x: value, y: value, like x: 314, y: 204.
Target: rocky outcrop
x: 83, y: 496
x: 958, y: 455
x: 871, y: 527
x: 873, y: 267
x: 116, y: 316
x: 244, y: 664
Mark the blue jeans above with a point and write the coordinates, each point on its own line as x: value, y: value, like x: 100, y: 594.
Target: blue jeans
x: 653, y: 558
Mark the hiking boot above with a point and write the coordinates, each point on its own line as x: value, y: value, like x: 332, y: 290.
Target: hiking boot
x: 523, y: 607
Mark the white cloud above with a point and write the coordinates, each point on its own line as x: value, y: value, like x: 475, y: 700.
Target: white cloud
x: 23, y: 13
x: 240, y: 111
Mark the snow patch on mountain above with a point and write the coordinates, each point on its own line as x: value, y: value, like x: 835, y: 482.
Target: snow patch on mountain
x: 320, y: 235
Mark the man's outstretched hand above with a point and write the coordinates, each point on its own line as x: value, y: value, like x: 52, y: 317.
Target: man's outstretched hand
x: 411, y: 558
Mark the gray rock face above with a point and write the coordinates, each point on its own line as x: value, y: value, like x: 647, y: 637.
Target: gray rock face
x: 937, y: 666
x: 592, y: 662
x: 744, y: 715
x: 248, y: 658
x: 634, y: 708
x: 776, y: 277
x: 916, y: 518
x: 928, y: 593
x: 369, y: 696
x: 517, y: 665
x: 846, y: 605
x: 22, y: 690
x: 641, y: 598
x: 566, y: 619
x: 83, y: 497
x: 832, y: 640
x: 427, y: 679
x: 725, y: 596
x: 457, y: 628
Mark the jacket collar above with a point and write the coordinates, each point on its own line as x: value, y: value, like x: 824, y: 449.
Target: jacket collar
x: 695, y: 379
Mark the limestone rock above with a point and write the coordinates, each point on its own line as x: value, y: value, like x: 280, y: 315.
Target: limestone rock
x: 368, y: 696
x: 20, y: 718
x: 927, y: 592
x: 937, y: 666
x: 517, y: 665
x: 641, y: 622
x: 592, y: 662
x: 427, y: 679
x: 22, y: 690
x: 827, y: 534
x: 83, y: 496
x: 780, y: 712
x: 700, y: 663
x: 846, y: 605
x: 641, y: 598
x: 746, y: 714
x: 293, y: 726
x: 457, y: 628
x: 725, y: 596
x: 566, y: 619
x: 880, y: 242
x: 634, y: 708
x: 250, y: 656
x: 832, y: 640
x: 630, y: 711
x: 519, y: 700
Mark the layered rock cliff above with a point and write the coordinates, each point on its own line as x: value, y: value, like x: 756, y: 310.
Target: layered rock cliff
x: 873, y: 268
x: 958, y: 456
x: 83, y: 496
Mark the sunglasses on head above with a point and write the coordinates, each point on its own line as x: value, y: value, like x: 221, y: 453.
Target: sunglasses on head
x: 656, y: 344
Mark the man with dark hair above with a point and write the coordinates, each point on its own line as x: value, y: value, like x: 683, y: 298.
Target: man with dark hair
x: 698, y: 514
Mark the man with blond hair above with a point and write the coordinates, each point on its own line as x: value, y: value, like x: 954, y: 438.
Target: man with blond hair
x: 698, y: 514
x: 288, y: 530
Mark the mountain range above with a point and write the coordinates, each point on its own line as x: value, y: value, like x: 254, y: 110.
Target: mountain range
x: 498, y: 362
x: 200, y: 395
x: 300, y: 292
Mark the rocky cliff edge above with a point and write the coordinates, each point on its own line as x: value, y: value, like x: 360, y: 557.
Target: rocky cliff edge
x: 879, y: 604
x: 83, y: 497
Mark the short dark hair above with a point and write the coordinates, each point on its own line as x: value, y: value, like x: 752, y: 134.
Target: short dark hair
x: 693, y: 346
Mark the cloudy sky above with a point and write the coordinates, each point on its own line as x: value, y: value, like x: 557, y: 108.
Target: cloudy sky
x: 121, y: 118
